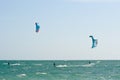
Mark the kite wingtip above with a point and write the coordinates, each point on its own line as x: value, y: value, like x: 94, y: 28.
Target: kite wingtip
x: 90, y: 36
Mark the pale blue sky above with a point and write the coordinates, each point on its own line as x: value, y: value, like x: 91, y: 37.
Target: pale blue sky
x: 65, y: 27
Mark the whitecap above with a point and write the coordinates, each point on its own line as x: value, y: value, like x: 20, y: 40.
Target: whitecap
x: 38, y: 73
x: 61, y: 66
x: 16, y: 64
x: 21, y: 75
x: 103, y: 78
x: 5, y: 63
x: 74, y: 66
x: 88, y: 65
x: 98, y: 62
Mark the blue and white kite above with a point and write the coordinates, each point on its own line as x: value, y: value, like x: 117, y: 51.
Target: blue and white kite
x: 94, y: 41
x: 37, y: 27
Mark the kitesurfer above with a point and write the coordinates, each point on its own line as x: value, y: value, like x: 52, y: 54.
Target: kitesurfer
x: 89, y: 62
x: 54, y: 64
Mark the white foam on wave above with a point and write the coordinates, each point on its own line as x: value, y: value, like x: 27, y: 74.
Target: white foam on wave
x: 98, y: 62
x: 61, y: 66
x: 15, y: 64
x: 5, y: 63
x: 21, y: 75
x: 74, y: 65
x: 88, y: 65
x: 43, y: 73
x: 102, y: 78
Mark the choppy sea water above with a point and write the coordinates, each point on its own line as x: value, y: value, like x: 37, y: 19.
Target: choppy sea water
x: 60, y: 70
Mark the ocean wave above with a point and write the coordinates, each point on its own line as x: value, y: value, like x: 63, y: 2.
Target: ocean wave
x: 3, y: 79
x: 102, y: 78
x: 98, y: 62
x: 68, y: 65
x: 43, y: 73
x: 88, y: 65
x: 74, y: 65
x: 21, y: 75
x: 38, y: 64
x: 61, y: 66
x: 5, y: 63
x: 12, y: 64
x: 15, y: 64
x: 26, y: 67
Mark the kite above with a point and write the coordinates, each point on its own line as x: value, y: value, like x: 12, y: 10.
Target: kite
x: 94, y: 41
x: 37, y: 27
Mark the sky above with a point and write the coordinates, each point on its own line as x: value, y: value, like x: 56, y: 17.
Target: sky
x: 65, y: 29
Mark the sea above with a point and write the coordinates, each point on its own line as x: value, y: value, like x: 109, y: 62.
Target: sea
x: 59, y: 69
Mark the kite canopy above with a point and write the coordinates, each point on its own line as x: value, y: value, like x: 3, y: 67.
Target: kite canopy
x: 37, y: 27
x: 94, y: 41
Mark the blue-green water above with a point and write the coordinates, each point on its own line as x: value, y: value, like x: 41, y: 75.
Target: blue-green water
x: 64, y: 70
